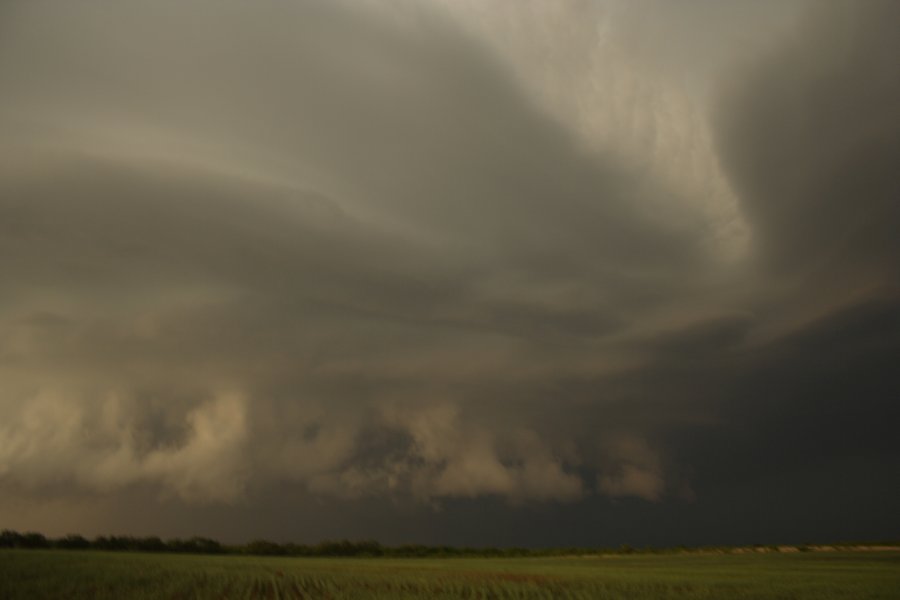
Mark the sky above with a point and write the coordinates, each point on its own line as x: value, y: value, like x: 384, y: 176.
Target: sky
x: 481, y: 272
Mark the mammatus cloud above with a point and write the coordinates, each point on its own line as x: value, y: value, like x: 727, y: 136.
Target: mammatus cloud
x: 436, y: 252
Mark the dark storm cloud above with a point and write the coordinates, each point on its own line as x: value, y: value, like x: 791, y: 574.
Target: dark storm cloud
x: 355, y: 251
x: 179, y: 274
x: 810, y: 135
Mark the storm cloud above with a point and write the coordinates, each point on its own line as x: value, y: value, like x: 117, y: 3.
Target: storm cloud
x: 434, y: 261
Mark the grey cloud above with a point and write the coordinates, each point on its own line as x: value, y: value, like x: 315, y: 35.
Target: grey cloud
x: 350, y: 252
x: 636, y: 472
x: 809, y: 135
x: 59, y: 437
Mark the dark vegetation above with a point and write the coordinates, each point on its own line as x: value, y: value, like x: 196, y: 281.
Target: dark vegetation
x: 346, y: 548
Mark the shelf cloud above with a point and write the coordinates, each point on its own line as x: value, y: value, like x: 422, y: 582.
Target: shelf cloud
x: 446, y: 258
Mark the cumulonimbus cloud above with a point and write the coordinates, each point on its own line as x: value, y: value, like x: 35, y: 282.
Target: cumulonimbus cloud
x: 384, y: 252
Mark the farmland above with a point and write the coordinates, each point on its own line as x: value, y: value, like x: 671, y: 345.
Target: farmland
x: 38, y: 574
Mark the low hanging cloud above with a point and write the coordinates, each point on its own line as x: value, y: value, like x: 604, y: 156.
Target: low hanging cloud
x: 58, y: 438
x: 636, y: 472
x: 432, y: 251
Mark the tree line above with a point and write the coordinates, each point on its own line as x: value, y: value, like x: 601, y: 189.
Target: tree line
x: 340, y: 548
x: 202, y: 545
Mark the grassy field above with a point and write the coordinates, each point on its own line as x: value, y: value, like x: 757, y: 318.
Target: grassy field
x: 72, y: 575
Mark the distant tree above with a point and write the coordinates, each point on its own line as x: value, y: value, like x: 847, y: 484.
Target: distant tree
x: 10, y: 539
x: 204, y: 545
x: 33, y: 539
x: 265, y: 548
x: 73, y: 542
x: 151, y: 544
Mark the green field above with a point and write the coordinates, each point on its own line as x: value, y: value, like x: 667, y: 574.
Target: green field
x: 37, y: 574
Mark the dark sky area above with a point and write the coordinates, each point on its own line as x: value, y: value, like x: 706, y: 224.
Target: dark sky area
x: 510, y: 272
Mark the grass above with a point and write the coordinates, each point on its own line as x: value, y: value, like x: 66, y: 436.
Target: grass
x: 38, y: 574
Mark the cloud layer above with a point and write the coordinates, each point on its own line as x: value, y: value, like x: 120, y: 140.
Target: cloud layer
x: 437, y: 252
